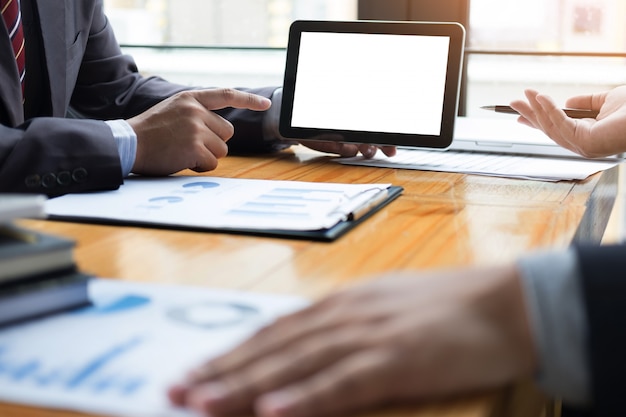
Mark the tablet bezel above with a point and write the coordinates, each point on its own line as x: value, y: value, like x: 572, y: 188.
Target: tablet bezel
x: 454, y: 31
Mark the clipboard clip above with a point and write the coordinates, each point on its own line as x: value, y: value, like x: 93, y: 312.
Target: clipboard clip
x: 361, y: 204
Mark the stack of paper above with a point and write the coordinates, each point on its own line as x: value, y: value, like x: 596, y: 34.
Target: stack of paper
x: 542, y: 168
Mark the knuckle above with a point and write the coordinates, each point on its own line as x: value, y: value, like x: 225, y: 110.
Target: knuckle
x: 221, y: 128
x: 228, y: 131
x: 184, y: 95
x: 211, y: 164
x: 220, y: 150
x: 229, y: 94
x: 187, y: 110
x: 206, y: 165
x: 192, y: 130
x: 239, y: 387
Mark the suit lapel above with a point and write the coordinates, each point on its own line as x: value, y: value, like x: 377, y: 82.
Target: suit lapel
x: 53, y: 29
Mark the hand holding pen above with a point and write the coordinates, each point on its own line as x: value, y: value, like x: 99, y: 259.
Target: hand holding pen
x: 602, y: 136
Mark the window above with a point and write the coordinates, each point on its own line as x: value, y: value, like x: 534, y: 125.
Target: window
x: 232, y: 23
x: 562, y: 47
x: 549, y: 25
x: 215, y: 42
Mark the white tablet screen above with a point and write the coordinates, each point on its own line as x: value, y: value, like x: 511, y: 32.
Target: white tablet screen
x: 371, y: 82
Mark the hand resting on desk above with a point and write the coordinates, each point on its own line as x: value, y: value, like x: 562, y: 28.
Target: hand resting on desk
x: 397, y: 339
x: 603, y: 136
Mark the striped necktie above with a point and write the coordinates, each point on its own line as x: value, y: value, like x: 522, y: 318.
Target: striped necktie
x: 13, y: 19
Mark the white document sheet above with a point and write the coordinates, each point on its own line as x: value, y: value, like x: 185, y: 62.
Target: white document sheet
x: 13, y: 206
x: 119, y: 357
x: 220, y: 203
x: 539, y: 168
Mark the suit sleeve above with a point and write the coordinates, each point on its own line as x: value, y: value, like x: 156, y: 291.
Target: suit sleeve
x: 553, y: 292
x: 54, y: 156
x: 604, y: 288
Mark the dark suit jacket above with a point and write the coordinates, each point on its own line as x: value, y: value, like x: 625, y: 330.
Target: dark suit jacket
x: 604, y: 291
x: 78, y: 62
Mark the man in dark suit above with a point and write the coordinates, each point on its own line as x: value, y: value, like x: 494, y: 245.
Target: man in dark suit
x: 556, y: 316
x: 128, y: 123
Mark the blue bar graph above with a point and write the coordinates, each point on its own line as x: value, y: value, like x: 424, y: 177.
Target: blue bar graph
x: 290, y: 203
x: 119, y: 305
x: 48, y: 378
x: 92, y: 375
x: 100, y: 362
x: 27, y: 369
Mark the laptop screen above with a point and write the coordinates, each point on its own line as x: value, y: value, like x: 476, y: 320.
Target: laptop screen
x: 372, y: 82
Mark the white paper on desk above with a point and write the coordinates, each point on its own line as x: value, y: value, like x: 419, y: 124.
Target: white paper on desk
x: 540, y: 168
x: 13, y: 206
x: 119, y: 356
x: 210, y: 202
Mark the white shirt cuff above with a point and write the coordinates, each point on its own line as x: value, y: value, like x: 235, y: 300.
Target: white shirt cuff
x: 126, y: 141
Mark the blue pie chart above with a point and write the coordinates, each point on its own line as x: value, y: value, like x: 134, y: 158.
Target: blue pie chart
x: 201, y: 184
x: 166, y: 199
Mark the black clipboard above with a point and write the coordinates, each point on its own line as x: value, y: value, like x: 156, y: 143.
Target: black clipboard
x: 352, y: 219
x: 326, y: 235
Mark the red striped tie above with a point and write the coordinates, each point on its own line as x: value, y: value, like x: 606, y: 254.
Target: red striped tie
x: 13, y: 19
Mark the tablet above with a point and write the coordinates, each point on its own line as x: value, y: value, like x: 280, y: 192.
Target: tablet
x: 376, y: 82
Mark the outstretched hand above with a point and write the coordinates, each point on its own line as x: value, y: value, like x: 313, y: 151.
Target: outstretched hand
x: 396, y: 339
x: 183, y: 131
x: 603, y: 136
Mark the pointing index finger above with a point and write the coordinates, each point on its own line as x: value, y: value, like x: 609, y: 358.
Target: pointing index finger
x: 219, y: 98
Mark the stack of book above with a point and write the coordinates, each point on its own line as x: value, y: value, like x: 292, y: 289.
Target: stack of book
x: 38, y: 275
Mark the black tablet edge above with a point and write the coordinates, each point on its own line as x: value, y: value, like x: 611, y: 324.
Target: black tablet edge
x: 455, y: 31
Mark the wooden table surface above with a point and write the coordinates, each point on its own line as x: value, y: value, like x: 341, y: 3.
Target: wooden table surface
x: 441, y: 220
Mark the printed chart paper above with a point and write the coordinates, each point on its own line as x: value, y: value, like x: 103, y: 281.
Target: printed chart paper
x: 220, y: 203
x: 119, y: 356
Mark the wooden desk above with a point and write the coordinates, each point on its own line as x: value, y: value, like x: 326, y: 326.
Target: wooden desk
x: 442, y: 219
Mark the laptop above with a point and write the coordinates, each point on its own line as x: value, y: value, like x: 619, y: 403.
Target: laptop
x: 506, y: 136
x: 378, y: 82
